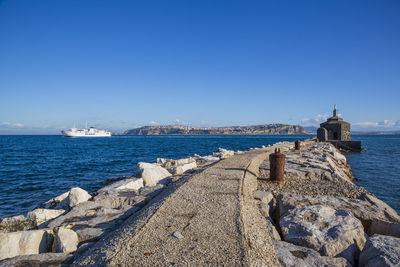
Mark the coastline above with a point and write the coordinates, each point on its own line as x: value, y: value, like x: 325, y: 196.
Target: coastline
x: 244, y: 171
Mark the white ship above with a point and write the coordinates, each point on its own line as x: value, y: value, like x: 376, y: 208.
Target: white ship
x: 87, y: 132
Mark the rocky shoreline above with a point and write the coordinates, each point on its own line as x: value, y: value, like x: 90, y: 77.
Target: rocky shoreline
x: 319, y: 217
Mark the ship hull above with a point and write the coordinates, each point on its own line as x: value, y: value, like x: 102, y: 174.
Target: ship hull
x: 86, y: 133
x: 78, y: 135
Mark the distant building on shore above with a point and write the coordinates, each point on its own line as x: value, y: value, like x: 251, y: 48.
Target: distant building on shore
x: 336, y: 131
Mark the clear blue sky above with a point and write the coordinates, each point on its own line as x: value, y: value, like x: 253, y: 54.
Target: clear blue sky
x: 123, y: 64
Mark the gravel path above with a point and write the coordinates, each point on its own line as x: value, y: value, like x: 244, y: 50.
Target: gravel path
x: 203, y: 221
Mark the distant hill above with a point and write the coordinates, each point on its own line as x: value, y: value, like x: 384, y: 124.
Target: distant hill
x: 311, y: 129
x: 182, y: 130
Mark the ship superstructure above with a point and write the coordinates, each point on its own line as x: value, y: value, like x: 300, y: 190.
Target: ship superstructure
x: 87, y: 132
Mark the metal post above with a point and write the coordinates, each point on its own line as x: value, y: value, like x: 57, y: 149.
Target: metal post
x: 277, y: 166
x: 297, y: 145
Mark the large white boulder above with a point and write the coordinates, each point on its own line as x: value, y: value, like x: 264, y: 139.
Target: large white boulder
x: 66, y: 241
x: 181, y: 168
x: 381, y: 250
x: 151, y: 173
x: 40, y: 216
x: 24, y: 243
x: 290, y: 255
x: 328, y: 231
x: 124, y: 185
x: 77, y: 195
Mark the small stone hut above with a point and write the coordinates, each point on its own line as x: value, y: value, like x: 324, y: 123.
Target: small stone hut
x: 335, y: 128
x: 336, y: 131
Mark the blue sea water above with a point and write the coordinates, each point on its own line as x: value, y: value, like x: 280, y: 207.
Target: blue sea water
x: 378, y: 168
x: 34, y: 169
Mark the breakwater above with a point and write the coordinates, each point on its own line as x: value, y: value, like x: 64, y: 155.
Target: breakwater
x: 185, y: 211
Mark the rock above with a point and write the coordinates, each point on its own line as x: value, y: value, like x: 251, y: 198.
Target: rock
x: 207, y: 158
x: 223, y: 153
x: 44, y: 259
x: 151, y: 173
x: 128, y: 213
x: 124, y: 185
x: 290, y: 255
x: 174, y: 162
x: 363, y: 210
x: 272, y: 230
x: 391, y: 214
x: 109, y: 211
x: 16, y: 223
x: 339, y: 156
x: 384, y: 228
x: 181, y: 168
x: 66, y: 241
x: 84, y: 210
x: 267, y: 202
x: 381, y: 250
x: 83, y: 248
x: 151, y: 191
x: 177, y: 235
x: 71, y: 217
x: 263, y: 196
x: 40, y: 216
x: 25, y: 242
x: 102, y: 221
x: 89, y: 234
x: 117, y: 199
x: 89, y: 214
x: 77, y: 195
x: 264, y: 209
x: 328, y: 231
x: 59, y: 202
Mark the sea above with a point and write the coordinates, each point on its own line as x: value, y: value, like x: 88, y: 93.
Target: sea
x: 34, y: 169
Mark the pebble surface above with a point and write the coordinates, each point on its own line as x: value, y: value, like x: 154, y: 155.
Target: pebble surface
x: 314, y: 180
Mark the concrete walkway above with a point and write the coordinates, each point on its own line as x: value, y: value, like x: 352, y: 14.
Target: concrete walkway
x: 214, y: 211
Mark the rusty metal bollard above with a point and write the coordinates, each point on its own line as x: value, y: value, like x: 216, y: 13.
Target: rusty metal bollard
x: 277, y: 166
x: 297, y: 145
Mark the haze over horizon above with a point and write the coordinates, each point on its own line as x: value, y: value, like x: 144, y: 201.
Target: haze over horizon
x: 125, y: 64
